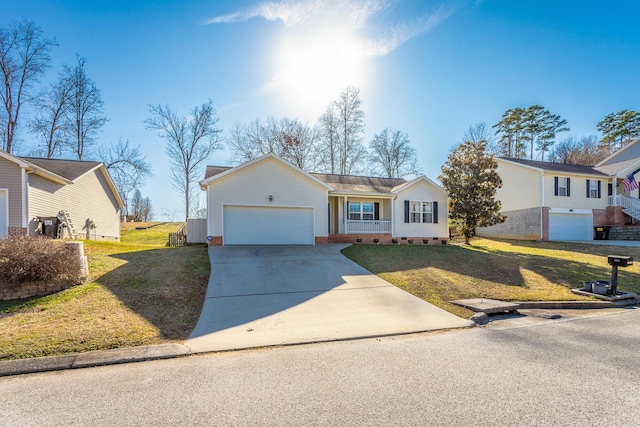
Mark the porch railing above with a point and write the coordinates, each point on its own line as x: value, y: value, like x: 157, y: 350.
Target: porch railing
x: 624, y: 201
x: 368, y: 227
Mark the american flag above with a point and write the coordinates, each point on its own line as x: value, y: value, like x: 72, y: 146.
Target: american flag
x: 630, y: 183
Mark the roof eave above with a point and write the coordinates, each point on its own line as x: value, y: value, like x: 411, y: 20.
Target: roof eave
x: 360, y: 193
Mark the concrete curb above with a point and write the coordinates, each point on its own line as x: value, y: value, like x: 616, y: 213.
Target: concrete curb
x: 169, y: 351
x: 93, y: 358
x: 573, y: 305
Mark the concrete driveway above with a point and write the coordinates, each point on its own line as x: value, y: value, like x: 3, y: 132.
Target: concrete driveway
x: 277, y: 295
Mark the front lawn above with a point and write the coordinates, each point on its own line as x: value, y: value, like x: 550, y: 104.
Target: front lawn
x: 499, y: 269
x: 139, y: 292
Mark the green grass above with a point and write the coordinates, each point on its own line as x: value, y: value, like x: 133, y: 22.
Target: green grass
x: 139, y: 292
x: 505, y: 270
x: 156, y: 233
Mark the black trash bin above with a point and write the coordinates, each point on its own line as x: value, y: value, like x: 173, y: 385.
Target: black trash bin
x: 601, y: 232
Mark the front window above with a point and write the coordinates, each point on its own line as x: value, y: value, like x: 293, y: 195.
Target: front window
x: 420, y: 212
x: 427, y: 212
x: 562, y: 187
x: 361, y: 211
x: 593, y: 189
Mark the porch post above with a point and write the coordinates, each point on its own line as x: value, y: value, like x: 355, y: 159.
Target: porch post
x: 393, y: 221
x: 614, y: 188
x: 346, y: 215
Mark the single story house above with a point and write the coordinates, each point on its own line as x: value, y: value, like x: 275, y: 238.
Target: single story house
x: 557, y: 201
x: 79, y: 194
x: 269, y: 201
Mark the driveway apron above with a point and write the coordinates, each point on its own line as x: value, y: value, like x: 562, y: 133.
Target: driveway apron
x: 278, y: 295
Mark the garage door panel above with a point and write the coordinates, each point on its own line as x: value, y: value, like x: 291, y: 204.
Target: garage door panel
x: 567, y: 226
x: 257, y: 225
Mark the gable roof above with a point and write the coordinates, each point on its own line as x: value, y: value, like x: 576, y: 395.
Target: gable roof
x: 216, y: 172
x: 348, y: 184
x: 556, y: 167
x: 632, y: 146
x: 63, y: 171
x: 416, y: 180
x: 68, y: 169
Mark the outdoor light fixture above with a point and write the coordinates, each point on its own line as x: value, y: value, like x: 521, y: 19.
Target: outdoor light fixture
x: 270, y: 198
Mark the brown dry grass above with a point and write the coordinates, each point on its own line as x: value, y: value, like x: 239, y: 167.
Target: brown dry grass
x: 504, y: 270
x: 137, y: 294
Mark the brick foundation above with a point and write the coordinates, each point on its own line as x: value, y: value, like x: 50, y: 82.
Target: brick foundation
x: 215, y: 241
x: 615, y: 216
x: 386, y: 238
x: 321, y: 240
x: 599, y: 217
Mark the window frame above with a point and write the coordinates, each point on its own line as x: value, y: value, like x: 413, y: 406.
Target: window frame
x: 424, y: 212
x: 593, y: 188
x: 361, y: 214
x: 562, y: 186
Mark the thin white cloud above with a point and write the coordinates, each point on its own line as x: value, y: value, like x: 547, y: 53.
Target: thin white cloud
x: 405, y: 31
x: 342, y: 14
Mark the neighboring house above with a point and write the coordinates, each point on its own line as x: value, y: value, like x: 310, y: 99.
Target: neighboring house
x: 269, y: 201
x: 32, y: 189
x: 557, y: 201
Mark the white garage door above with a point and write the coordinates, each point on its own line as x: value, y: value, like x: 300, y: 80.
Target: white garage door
x: 4, y: 213
x: 251, y: 225
x: 570, y: 226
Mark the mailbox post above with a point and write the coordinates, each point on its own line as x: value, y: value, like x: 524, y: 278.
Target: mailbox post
x: 616, y: 261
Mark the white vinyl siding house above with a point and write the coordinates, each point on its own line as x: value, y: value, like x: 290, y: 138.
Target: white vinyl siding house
x: 275, y: 199
x: 270, y: 201
x: 548, y: 201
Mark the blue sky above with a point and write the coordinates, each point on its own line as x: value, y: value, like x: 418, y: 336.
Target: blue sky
x: 428, y: 68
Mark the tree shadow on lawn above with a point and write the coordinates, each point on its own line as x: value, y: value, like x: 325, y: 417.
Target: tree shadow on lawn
x: 164, y: 286
x: 562, y: 264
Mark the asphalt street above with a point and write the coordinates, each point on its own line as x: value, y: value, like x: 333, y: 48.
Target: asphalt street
x: 577, y: 370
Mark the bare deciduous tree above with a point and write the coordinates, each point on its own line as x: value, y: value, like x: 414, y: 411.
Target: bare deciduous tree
x: 584, y: 151
x: 49, y: 124
x: 141, y: 209
x: 127, y: 167
x: 24, y: 56
x: 190, y: 142
x: 288, y: 138
x: 391, y: 154
x: 84, y: 116
x: 341, y: 130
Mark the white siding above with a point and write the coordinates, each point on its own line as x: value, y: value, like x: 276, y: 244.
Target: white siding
x: 254, y: 184
x: 520, y: 187
x: 578, y: 194
x: 88, y: 198
x: 11, y: 180
x: 422, y: 191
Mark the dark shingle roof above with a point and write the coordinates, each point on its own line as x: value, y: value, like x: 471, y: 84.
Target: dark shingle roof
x: 359, y: 184
x: 215, y: 170
x: 557, y: 167
x: 69, y: 169
x: 349, y: 183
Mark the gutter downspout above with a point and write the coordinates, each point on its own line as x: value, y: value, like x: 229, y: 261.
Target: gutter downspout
x: 542, y: 205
